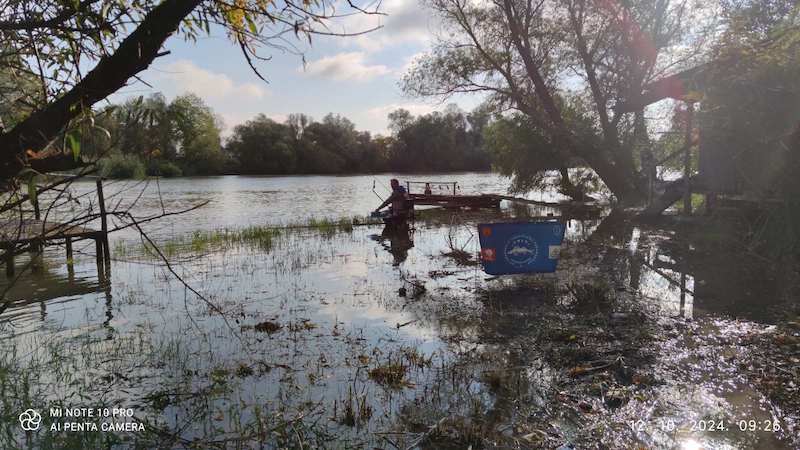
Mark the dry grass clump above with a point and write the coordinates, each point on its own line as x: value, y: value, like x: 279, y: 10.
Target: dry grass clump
x: 392, y: 375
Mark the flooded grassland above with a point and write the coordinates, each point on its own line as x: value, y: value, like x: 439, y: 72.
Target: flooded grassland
x: 331, y: 335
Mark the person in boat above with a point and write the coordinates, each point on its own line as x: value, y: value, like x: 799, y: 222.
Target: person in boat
x: 399, y: 201
x: 427, y: 189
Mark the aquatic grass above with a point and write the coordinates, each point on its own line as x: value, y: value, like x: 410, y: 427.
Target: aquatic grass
x: 391, y: 375
x: 330, y: 227
x: 356, y: 410
x: 261, y: 237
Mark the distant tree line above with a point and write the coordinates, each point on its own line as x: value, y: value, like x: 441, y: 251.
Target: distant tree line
x: 150, y: 136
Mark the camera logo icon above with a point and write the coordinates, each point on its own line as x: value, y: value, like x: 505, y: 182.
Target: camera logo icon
x: 30, y: 420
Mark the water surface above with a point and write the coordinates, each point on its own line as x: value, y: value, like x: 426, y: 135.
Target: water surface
x: 306, y: 322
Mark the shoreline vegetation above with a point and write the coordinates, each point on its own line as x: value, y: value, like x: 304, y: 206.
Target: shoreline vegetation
x: 153, y: 137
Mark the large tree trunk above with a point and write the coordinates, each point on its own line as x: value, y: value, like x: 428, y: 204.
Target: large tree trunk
x: 134, y: 54
x: 568, y: 188
x: 672, y: 193
x: 623, y: 182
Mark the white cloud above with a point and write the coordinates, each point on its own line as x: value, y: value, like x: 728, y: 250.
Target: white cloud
x: 344, y: 66
x: 405, y: 21
x: 185, y: 76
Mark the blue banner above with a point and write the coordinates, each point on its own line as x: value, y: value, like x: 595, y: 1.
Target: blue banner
x: 522, y: 247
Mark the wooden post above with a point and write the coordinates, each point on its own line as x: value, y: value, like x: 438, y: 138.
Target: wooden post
x: 103, y: 220
x: 36, y: 250
x: 36, y: 212
x: 98, y: 246
x: 10, y: 260
x: 69, y: 253
x: 687, y: 160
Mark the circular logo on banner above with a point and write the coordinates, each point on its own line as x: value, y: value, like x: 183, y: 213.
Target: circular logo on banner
x: 521, y: 250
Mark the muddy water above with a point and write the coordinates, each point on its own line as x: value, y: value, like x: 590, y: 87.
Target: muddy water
x: 632, y: 343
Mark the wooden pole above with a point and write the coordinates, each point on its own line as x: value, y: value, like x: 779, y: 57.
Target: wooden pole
x: 37, y: 254
x: 69, y: 253
x: 103, y: 220
x: 70, y: 262
x: 687, y: 160
x: 10, y: 261
x: 98, y: 246
x: 36, y: 212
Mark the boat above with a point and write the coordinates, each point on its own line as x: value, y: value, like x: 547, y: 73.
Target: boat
x: 447, y: 194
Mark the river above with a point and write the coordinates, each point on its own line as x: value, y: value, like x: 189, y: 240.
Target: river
x: 337, y: 336
x: 239, y: 201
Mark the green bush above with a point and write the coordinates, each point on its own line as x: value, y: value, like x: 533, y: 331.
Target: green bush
x: 122, y: 166
x: 163, y: 168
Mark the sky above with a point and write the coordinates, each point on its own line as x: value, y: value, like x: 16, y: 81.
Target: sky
x: 357, y: 77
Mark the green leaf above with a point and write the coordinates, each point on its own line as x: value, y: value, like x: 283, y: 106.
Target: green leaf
x: 75, y: 146
x: 251, y: 24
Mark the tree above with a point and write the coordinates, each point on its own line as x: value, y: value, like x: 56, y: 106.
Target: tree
x: 54, y: 41
x: 563, y: 64
x: 399, y: 120
x: 197, y: 134
x: 437, y: 142
x: 263, y: 146
x: 521, y: 151
x: 140, y: 126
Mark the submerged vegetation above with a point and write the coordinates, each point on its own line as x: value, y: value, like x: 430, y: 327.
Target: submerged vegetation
x: 260, y: 237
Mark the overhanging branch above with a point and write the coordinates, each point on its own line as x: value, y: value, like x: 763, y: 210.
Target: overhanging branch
x: 134, y: 54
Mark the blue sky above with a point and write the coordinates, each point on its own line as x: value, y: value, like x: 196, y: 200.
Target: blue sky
x: 354, y: 76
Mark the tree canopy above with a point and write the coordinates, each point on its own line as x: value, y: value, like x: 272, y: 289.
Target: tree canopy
x: 442, y: 142
x: 564, y: 65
